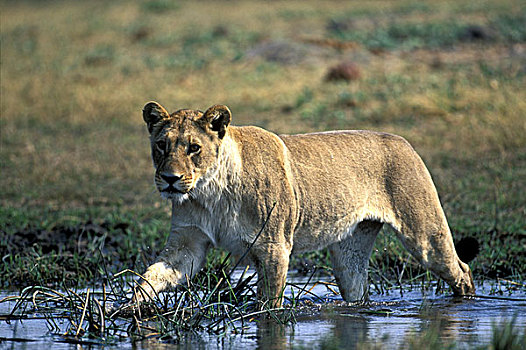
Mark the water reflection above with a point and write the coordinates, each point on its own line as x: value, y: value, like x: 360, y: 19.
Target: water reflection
x: 271, y: 335
x: 387, y: 320
x: 392, y: 321
x: 350, y: 330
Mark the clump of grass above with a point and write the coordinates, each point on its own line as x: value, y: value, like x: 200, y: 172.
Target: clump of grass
x: 159, y: 6
x: 212, y: 302
x: 436, y: 34
x: 429, y: 339
x: 511, y: 27
x: 506, y: 335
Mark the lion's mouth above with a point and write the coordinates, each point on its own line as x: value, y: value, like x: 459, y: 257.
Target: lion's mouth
x: 171, y: 190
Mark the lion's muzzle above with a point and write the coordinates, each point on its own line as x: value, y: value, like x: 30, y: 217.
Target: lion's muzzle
x: 170, y: 184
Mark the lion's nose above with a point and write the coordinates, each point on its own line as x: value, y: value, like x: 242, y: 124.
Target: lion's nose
x: 171, y: 178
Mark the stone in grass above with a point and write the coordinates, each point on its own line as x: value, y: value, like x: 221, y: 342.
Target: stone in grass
x: 346, y: 71
x: 476, y: 33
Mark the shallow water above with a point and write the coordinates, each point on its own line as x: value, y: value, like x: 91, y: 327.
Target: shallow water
x: 388, y: 319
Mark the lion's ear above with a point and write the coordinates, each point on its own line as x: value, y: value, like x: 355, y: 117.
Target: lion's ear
x: 152, y: 113
x: 218, y: 118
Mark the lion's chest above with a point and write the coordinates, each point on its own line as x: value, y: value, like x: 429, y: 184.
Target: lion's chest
x: 218, y: 220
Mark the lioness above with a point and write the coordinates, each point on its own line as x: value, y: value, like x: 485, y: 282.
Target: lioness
x: 329, y: 189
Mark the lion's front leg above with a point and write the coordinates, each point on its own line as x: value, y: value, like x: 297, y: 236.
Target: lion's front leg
x: 272, y: 263
x: 182, y: 256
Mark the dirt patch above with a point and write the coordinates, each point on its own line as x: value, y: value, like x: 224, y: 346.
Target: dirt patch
x: 51, y: 256
x: 286, y: 52
x: 62, y: 239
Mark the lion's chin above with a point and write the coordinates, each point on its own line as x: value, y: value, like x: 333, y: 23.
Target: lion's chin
x: 175, y: 195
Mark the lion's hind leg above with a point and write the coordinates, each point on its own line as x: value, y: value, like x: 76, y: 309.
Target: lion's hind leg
x: 428, y: 238
x: 350, y: 260
x: 413, y: 209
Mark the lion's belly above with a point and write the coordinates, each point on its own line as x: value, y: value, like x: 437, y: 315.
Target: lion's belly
x: 315, y: 237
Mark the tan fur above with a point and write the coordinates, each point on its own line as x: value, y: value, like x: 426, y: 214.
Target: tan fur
x: 333, y: 189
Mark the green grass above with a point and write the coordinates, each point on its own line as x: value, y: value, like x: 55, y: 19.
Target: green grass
x: 74, y: 148
x: 159, y: 6
x: 50, y: 247
x: 433, y: 34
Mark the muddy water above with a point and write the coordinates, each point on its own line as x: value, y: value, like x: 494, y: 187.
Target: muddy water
x: 389, y: 319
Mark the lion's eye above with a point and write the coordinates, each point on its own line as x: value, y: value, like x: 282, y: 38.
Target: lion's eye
x: 161, y: 145
x: 194, y: 148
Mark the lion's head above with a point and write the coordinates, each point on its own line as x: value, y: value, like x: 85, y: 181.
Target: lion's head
x: 185, y: 146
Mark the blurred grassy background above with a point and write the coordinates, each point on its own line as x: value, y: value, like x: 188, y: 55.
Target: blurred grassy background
x: 447, y: 75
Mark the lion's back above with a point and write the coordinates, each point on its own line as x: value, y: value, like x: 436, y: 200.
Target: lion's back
x: 360, y: 154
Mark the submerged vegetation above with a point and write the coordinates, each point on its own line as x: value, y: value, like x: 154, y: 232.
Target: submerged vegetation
x: 77, y: 205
